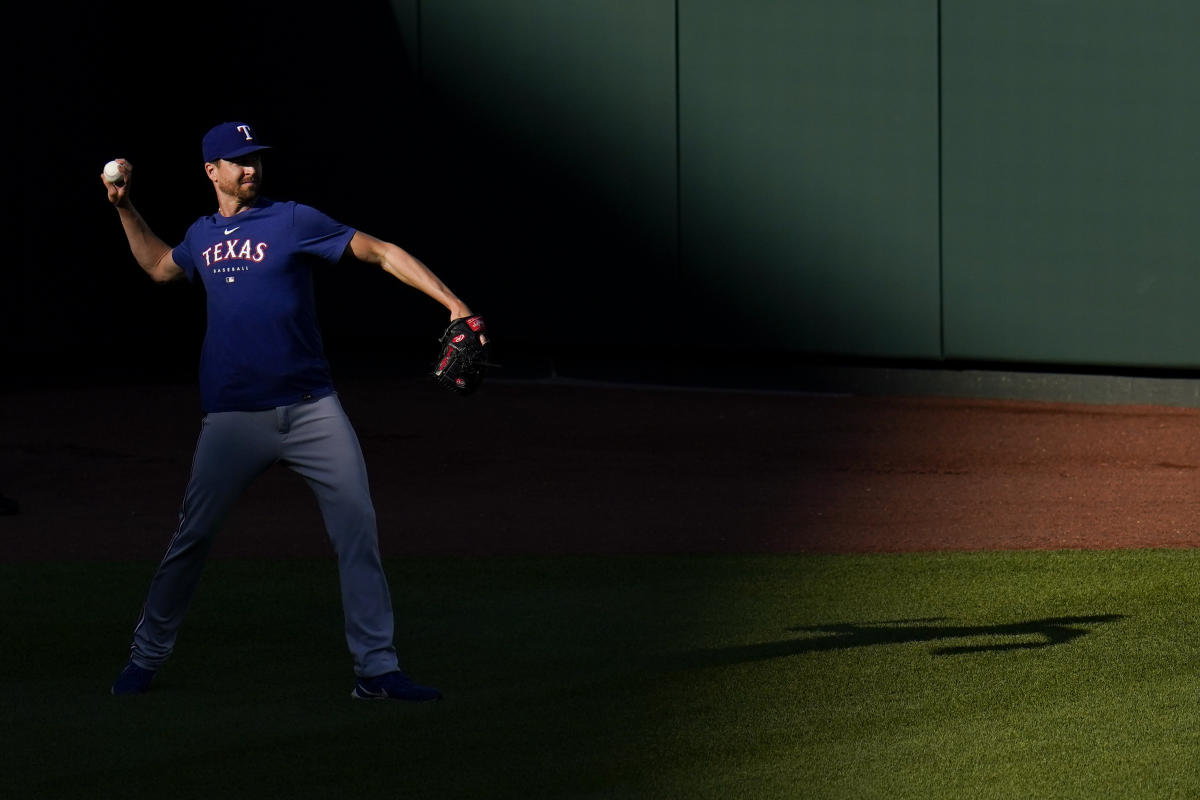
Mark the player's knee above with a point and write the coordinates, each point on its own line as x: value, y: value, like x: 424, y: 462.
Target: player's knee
x: 352, y: 525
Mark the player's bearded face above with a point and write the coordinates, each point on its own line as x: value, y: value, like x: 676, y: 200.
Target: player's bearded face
x: 239, y: 177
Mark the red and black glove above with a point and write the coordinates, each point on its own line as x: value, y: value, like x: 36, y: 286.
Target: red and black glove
x: 462, y: 360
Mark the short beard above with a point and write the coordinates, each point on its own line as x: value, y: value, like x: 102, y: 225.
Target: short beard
x: 244, y: 193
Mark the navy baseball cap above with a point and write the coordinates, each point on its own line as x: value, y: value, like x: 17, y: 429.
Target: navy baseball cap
x: 230, y: 140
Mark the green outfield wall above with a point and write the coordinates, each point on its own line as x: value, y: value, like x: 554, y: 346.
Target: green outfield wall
x: 1070, y: 180
x: 962, y: 182
x: 990, y: 180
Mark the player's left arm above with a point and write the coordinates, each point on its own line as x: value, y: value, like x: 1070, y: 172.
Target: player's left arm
x: 395, y: 260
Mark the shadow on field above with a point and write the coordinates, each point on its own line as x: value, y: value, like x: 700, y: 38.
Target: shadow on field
x: 1031, y: 635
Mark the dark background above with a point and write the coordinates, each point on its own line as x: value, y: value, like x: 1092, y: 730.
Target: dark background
x: 332, y: 88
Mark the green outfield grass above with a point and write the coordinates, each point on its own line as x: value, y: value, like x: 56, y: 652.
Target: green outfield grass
x: 1047, y: 675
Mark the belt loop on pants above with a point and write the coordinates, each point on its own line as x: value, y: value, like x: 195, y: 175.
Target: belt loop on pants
x: 283, y: 421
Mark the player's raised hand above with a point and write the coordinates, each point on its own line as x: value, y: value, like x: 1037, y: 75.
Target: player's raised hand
x: 117, y: 181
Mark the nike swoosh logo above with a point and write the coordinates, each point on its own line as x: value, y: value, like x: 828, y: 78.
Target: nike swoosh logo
x: 381, y: 694
x: 231, y: 230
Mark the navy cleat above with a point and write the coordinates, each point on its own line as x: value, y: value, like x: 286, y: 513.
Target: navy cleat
x: 393, y: 686
x: 133, y: 680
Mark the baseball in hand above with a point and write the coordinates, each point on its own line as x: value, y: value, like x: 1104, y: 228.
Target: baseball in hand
x: 112, y: 173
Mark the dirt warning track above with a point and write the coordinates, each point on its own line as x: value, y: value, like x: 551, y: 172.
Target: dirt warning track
x: 554, y: 468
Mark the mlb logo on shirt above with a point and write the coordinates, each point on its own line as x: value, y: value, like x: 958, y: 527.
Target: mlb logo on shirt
x: 229, y: 279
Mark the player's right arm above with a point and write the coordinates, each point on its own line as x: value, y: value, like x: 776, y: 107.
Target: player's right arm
x: 151, y: 253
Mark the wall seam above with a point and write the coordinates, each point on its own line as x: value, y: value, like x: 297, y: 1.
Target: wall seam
x: 941, y: 240
x: 679, y: 266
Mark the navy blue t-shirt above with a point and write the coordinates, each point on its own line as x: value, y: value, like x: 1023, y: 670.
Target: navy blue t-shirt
x: 262, y: 348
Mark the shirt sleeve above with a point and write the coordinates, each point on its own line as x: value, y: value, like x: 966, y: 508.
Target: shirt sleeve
x: 320, y: 235
x: 182, y: 255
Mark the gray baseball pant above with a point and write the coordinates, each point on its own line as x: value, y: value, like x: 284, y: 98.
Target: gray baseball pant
x: 316, y: 440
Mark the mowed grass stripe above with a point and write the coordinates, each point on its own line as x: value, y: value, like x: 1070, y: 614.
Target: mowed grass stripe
x: 1050, y: 674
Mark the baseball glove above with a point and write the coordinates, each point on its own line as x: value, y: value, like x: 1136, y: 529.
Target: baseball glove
x: 462, y: 359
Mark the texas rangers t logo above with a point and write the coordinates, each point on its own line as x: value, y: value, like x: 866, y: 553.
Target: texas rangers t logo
x: 245, y: 129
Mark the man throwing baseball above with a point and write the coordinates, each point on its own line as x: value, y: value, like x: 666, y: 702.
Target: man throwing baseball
x: 268, y: 397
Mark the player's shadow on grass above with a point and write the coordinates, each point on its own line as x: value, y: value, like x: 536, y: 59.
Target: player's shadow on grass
x: 1031, y: 635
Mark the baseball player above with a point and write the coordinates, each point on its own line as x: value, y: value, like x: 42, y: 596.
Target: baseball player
x: 267, y: 397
